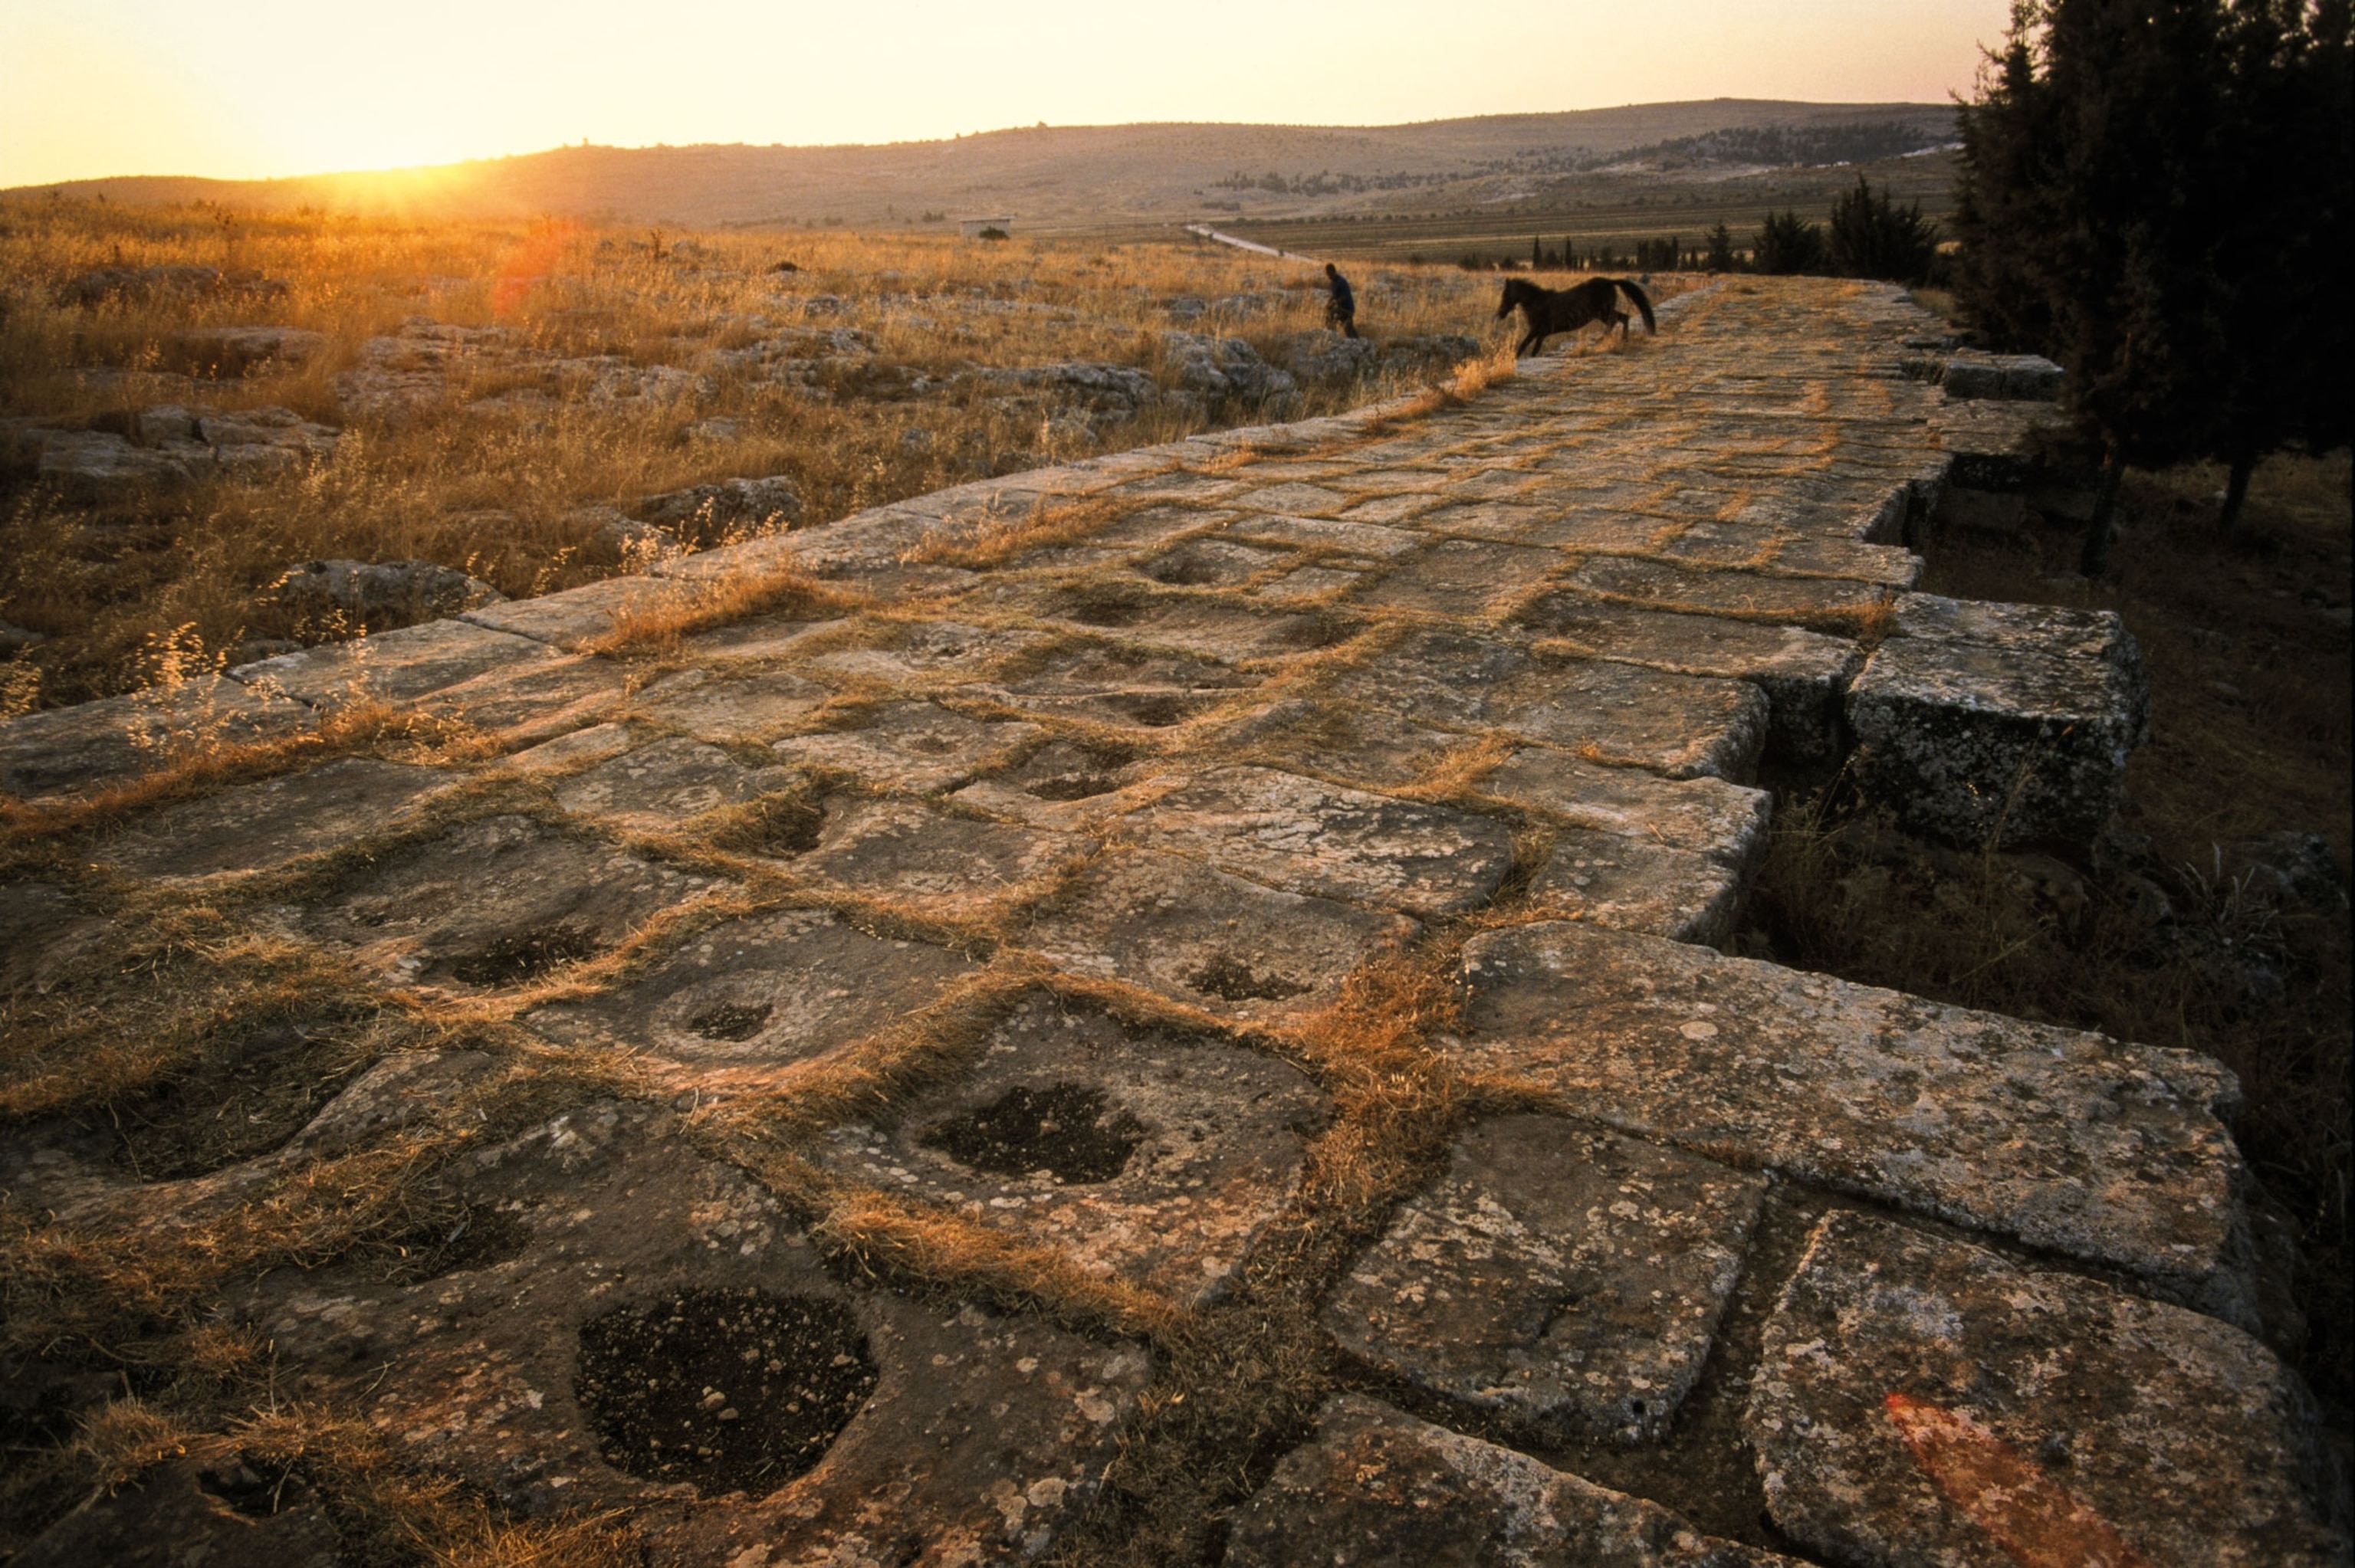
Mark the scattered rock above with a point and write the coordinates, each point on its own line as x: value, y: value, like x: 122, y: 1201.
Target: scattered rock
x: 225, y: 351
x: 1925, y: 1402
x: 16, y: 640
x: 381, y: 595
x: 143, y: 283
x: 706, y: 513
x: 1228, y: 369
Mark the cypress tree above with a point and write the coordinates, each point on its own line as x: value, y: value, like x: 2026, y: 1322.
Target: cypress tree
x: 1873, y: 237
x: 1721, y: 249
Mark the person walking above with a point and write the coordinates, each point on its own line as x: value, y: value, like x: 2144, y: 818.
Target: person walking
x: 1341, y: 311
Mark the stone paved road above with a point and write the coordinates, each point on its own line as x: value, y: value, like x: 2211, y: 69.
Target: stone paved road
x: 986, y: 877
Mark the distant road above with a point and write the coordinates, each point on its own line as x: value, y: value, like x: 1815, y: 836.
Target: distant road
x: 1206, y: 232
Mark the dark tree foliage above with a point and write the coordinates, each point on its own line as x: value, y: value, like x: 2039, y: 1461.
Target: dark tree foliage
x: 1789, y: 243
x: 1873, y: 237
x: 1721, y: 250
x: 2147, y: 192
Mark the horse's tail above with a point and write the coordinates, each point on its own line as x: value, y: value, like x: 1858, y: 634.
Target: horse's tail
x: 1643, y: 304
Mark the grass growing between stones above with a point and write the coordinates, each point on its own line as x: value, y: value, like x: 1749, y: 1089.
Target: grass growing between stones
x: 2181, y: 930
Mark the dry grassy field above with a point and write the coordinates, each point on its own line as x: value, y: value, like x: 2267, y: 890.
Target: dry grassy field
x: 588, y: 369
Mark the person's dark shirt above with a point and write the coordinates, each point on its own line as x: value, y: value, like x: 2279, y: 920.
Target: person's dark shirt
x: 1343, y: 301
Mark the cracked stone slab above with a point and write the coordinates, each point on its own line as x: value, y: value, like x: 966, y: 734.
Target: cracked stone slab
x: 524, y: 703
x: 1463, y: 577
x: 1707, y: 816
x: 1208, y: 939
x: 1922, y: 1401
x: 657, y: 787
x: 1306, y: 500
x: 1307, y: 836
x: 1309, y: 585
x: 1130, y: 688
x: 1070, y: 786
x: 259, y: 827
x: 577, y: 618
x: 761, y: 991
x: 1189, y: 622
x: 1804, y: 601
x: 2014, y: 728
x: 919, y: 748
x: 48, y: 753
x: 1377, y: 1489
x: 494, y: 903
x: 1149, y: 527
x: 946, y: 652
x: 1365, y: 743
x: 761, y: 638
x: 947, y: 1432
x: 1327, y: 533
x: 2106, y: 1151
x: 1561, y: 1276
x: 1805, y: 674
x: 1631, y: 885
x: 757, y: 706
x: 1138, y: 1153
x: 935, y: 861
x: 1622, y: 713
x: 1886, y: 565
x: 1212, y: 562
x: 394, y: 666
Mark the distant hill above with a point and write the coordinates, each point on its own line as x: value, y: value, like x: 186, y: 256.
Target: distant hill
x: 1049, y: 177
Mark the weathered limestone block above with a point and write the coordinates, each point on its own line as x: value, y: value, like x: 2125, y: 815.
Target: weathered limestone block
x: 382, y: 593
x: 756, y: 706
x: 1139, y: 1153
x: 757, y: 638
x: 1554, y: 1274
x: 1294, y: 499
x: 655, y: 1332
x: 1463, y: 578
x: 1677, y: 725
x: 1981, y: 726
x: 660, y: 785
x: 1194, y: 623
x: 1338, y: 535
x: 1212, y: 563
x: 919, y: 748
x: 259, y: 827
x: 2067, y: 1140
x: 577, y: 618
x: 1315, y: 838
x: 1923, y: 1402
x: 1835, y: 603
x: 758, y: 992
x: 1069, y: 786
x: 494, y: 903
x: 1631, y: 885
x: 1126, y: 687
x: 1805, y: 674
x: 931, y: 862
x: 2011, y: 378
x: 1365, y: 744
x: 1208, y: 939
x: 529, y: 701
x: 937, y: 652
x: 1727, y: 822
x: 393, y: 666
x: 1377, y: 1489
x: 44, y: 755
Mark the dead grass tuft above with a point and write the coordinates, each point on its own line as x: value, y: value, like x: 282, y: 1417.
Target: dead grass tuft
x: 125, y: 1438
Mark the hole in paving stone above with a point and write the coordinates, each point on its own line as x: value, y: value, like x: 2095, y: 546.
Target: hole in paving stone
x: 1230, y: 980
x: 731, y: 1021
x: 1074, y: 786
x: 255, y: 1487
x: 1155, y: 710
x: 1064, y: 1129
x: 521, y: 955
x: 779, y: 825
x: 726, y: 1390
x: 1105, y: 607
x: 456, y: 1240
x: 248, y: 1087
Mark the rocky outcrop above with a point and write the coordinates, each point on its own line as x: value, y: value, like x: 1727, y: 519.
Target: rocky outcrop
x: 381, y: 595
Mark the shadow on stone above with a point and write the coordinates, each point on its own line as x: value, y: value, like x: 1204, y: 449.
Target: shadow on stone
x: 1066, y: 1128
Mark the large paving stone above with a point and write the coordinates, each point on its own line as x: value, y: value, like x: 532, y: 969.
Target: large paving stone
x: 919, y: 748
x: 48, y: 753
x: 1805, y: 674
x: 1834, y: 602
x: 1377, y: 1489
x: 655, y: 786
x: 730, y: 708
x: 1193, y: 622
x: 1337, y: 535
x: 576, y: 617
x: 1130, y: 688
x: 523, y: 703
x: 394, y: 666
x: 1138, y: 1152
x: 493, y: 903
x: 1554, y: 1274
x: 259, y: 827
x: 1631, y: 885
x: 1677, y: 725
x: 1208, y: 939
x: 1707, y: 816
x: 2106, y: 1151
x: 932, y: 862
x: 1362, y: 743
x: 1466, y: 579
x: 638, y: 1294
x: 1983, y: 726
x: 1925, y: 1402
x: 1305, y: 836
x: 1213, y: 563
x: 760, y: 993
x: 942, y: 652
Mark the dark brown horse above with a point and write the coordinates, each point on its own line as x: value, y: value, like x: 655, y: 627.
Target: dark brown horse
x: 1549, y: 310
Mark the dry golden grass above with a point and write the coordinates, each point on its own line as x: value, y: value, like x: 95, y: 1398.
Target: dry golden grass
x: 500, y: 493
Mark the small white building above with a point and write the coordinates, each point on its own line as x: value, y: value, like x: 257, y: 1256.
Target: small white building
x: 971, y: 227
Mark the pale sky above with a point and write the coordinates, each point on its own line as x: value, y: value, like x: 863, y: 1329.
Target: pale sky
x: 257, y: 88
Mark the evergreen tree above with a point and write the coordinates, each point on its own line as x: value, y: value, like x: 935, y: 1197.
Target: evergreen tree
x: 1873, y: 237
x: 1536, y: 254
x: 1721, y: 249
x: 1788, y: 243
